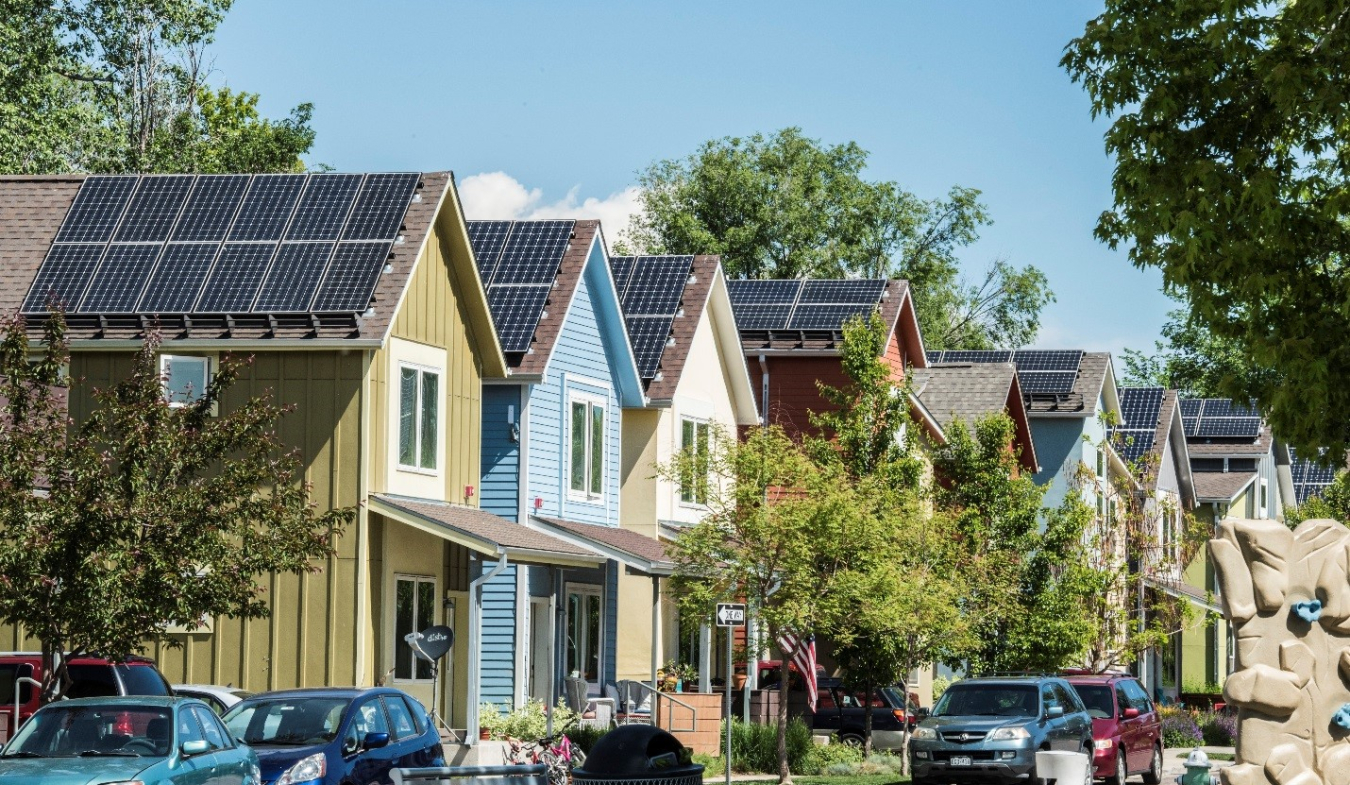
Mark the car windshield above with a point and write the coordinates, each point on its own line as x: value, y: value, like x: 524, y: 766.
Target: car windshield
x: 287, y: 721
x: 62, y: 731
x: 143, y: 680
x: 994, y: 700
x: 1097, y: 699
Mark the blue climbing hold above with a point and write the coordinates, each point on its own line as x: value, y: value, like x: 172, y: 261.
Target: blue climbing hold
x: 1342, y: 717
x: 1309, y: 611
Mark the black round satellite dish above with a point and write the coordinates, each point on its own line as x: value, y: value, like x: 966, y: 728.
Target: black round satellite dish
x: 436, y: 641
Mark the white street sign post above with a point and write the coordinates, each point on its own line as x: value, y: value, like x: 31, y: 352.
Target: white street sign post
x: 729, y: 615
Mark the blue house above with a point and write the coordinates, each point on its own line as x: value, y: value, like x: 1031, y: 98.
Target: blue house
x: 552, y: 450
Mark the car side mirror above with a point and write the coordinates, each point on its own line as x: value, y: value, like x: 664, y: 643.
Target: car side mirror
x: 194, y: 747
x: 374, y: 741
x: 922, y: 712
x: 1130, y: 713
x: 1054, y: 711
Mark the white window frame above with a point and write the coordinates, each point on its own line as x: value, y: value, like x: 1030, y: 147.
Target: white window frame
x: 1263, y: 500
x: 591, y: 402
x: 417, y: 581
x: 706, y: 424
x: 167, y: 357
x: 585, y: 590
x: 421, y: 370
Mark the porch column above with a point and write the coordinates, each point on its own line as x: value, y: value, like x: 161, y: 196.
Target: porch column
x: 704, y: 657
x: 656, y: 626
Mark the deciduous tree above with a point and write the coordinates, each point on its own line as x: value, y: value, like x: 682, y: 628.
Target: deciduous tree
x: 145, y: 515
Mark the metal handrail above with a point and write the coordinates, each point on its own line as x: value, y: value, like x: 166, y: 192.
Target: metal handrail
x: 534, y: 774
x: 657, y: 695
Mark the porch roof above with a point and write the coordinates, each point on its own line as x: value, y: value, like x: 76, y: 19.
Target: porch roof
x: 638, y: 551
x: 1183, y: 591
x: 481, y: 531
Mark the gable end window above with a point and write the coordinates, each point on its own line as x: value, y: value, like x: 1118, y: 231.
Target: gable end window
x: 418, y: 406
x: 694, y: 436
x: 587, y: 463
x: 185, y: 378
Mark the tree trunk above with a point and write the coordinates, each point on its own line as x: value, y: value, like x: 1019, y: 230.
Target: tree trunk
x: 784, y: 686
x: 904, y: 729
x: 869, y: 691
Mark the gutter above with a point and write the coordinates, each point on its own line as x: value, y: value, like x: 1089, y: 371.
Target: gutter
x: 764, y: 392
x: 227, y: 344
x: 475, y: 641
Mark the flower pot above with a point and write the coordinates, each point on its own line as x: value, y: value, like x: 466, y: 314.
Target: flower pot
x: 484, y: 734
x: 738, y: 681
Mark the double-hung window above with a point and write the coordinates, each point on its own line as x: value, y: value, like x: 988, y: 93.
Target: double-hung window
x: 185, y: 378
x: 587, y: 418
x: 419, y: 401
x: 694, y: 436
x: 414, y: 611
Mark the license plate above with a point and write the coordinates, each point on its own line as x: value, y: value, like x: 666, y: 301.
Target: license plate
x: 961, y: 760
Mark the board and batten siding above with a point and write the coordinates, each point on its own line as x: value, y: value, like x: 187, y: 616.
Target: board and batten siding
x: 309, y: 639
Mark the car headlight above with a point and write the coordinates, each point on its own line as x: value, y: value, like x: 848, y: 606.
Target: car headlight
x: 311, y: 768
x: 1010, y: 733
x: 1103, y: 744
x: 922, y: 733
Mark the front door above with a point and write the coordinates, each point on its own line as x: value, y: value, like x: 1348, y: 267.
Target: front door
x: 540, y: 648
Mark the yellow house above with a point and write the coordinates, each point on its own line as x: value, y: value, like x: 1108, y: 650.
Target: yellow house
x: 358, y: 297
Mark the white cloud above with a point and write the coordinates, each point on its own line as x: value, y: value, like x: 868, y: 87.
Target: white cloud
x: 498, y: 195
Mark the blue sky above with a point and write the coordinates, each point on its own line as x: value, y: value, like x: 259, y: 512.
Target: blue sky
x: 550, y: 109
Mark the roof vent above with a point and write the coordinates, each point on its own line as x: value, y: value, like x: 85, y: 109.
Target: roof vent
x: 369, y: 314
x: 388, y: 269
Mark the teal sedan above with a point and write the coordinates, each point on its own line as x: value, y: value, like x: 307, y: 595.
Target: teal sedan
x: 127, y: 741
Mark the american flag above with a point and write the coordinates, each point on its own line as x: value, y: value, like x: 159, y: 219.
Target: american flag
x: 802, y: 652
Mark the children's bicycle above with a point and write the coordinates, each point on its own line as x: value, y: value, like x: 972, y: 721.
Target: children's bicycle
x: 557, y: 752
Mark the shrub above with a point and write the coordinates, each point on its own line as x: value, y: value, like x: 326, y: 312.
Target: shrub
x: 1218, y: 729
x: 824, y: 758
x: 754, y: 747
x: 940, y: 685
x: 1179, y: 728
x: 528, y: 722
x: 840, y: 769
x: 881, y: 763
x: 585, y: 736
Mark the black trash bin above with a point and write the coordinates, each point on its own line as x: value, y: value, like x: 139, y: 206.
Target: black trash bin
x: 638, y: 755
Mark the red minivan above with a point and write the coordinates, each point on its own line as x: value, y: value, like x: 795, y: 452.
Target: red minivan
x: 91, y: 677
x: 1126, y: 728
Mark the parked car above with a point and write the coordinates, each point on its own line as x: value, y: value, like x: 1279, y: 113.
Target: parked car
x: 220, y: 699
x: 335, y: 735
x: 91, y: 677
x: 989, y: 730
x: 769, y: 670
x: 147, y: 740
x: 1126, y: 728
x: 844, y: 712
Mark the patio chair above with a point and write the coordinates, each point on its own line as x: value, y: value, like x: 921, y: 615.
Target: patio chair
x: 634, y: 703
x: 575, y: 692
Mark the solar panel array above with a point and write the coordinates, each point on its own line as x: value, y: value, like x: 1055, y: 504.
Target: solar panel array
x: 1038, y: 371
x: 801, y: 305
x: 650, y: 289
x: 1310, y: 477
x: 1219, y: 418
x: 1140, y: 408
x: 518, y: 262
x: 223, y: 244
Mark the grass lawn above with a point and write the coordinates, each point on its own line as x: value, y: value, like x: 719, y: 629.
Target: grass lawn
x: 1213, y: 755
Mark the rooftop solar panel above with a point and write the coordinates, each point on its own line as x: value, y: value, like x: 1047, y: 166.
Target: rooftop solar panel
x: 211, y: 207
x: 826, y: 317
x: 154, y: 209
x: 177, y: 281
x: 762, y: 317
x: 380, y: 206
x: 63, y: 277
x: 1240, y: 427
x: 1132, y: 445
x: 349, y: 282
x: 488, y: 238
x: 234, y: 280
x: 121, y: 276
x: 972, y: 356
x: 293, y: 278
x: 267, y: 207
x: 648, y: 335
x: 516, y: 311
x: 755, y: 292
x: 533, y: 253
x: 1140, y: 406
x: 842, y: 292
x: 97, y: 209
x: 656, y: 284
x: 1059, y: 360
x: 324, y: 207
x: 621, y: 267
x: 1057, y: 382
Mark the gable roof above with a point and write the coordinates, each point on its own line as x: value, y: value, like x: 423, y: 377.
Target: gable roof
x: 32, y: 210
x: 968, y: 392
x: 1221, y: 486
x: 1194, y: 410
x: 635, y: 550
x: 1079, y: 399
x: 1150, y: 425
x: 800, y: 320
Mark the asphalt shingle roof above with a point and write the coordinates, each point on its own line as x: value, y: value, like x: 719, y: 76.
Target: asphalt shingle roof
x: 624, y: 540
x: 483, y: 525
x: 1220, y: 486
x: 964, y: 391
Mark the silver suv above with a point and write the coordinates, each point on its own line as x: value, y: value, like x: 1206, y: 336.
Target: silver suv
x: 990, y: 729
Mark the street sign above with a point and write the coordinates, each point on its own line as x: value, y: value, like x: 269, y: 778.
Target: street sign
x: 730, y: 614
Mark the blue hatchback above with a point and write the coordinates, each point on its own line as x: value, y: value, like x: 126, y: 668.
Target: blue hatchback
x: 335, y: 735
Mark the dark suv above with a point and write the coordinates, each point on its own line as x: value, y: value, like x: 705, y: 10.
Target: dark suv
x: 843, y: 712
x: 990, y: 729
x: 1125, y: 726
x: 91, y: 677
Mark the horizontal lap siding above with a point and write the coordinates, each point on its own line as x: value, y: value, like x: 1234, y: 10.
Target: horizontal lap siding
x: 497, y: 664
x: 500, y: 491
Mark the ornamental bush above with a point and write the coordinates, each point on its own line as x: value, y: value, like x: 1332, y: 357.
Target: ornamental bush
x: 1179, y: 728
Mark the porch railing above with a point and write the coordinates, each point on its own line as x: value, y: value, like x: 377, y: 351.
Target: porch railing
x: 534, y: 774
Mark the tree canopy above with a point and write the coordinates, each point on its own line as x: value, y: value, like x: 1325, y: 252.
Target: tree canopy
x: 1232, y: 176
x: 118, y: 86
x: 146, y: 515
x: 787, y: 206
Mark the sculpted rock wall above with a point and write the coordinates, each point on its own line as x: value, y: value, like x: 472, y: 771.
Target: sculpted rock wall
x: 1288, y: 596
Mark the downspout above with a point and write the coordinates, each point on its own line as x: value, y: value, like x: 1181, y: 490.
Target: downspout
x: 363, y: 530
x: 475, y: 641
x: 764, y: 390
x: 1284, y: 478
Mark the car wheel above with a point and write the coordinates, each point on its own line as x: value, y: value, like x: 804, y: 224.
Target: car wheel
x: 1121, y: 771
x: 851, y: 740
x: 1154, y: 774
